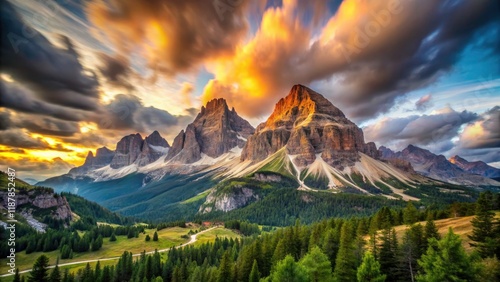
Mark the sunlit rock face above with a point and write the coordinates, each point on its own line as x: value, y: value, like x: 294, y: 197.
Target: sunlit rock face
x: 308, y: 124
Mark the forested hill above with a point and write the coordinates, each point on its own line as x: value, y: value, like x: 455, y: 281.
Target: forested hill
x: 86, y: 208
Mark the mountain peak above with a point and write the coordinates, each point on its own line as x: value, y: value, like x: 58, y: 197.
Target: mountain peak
x: 302, y: 105
x: 457, y: 159
x: 155, y: 139
x: 214, y: 105
x: 215, y: 131
x: 307, y: 124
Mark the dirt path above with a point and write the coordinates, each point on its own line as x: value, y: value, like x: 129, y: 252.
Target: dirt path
x: 191, y: 241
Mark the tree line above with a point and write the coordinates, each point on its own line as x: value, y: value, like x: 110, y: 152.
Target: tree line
x: 335, y: 249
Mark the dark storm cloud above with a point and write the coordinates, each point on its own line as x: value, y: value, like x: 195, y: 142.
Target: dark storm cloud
x: 55, y: 75
x: 180, y: 34
x: 435, y: 130
x: 128, y: 112
x: 4, y: 120
x: 47, y: 125
x: 116, y: 70
x: 24, y: 100
x: 17, y: 138
x: 428, y: 43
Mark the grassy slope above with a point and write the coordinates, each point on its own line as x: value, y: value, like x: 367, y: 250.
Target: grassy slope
x: 460, y: 225
x: 168, y: 237
x: 4, y: 180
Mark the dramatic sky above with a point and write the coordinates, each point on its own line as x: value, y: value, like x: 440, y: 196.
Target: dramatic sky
x: 80, y: 74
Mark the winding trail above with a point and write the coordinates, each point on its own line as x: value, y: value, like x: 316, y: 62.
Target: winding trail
x: 191, y: 241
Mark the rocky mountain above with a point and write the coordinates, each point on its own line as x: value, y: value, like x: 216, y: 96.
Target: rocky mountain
x: 435, y: 166
x: 131, y: 149
x: 215, y: 131
x: 478, y: 167
x: 102, y: 158
x: 308, y: 125
x: 221, y: 163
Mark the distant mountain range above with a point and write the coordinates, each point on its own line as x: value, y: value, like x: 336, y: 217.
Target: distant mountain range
x: 221, y: 163
x: 456, y: 170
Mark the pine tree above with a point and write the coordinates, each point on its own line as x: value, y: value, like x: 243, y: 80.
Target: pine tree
x: 446, y: 260
x: 17, y: 277
x: 317, y: 265
x: 39, y: 273
x: 113, y: 237
x: 345, y: 263
x: 369, y: 270
x: 484, y: 236
x: 147, y: 238
x: 225, y: 269
x: 254, y: 274
x: 55, y: 275
x: 410, y: 214
x: 155, y: 236
x: 290, y: 271
x: 387, y: 255
x: 431, y: 230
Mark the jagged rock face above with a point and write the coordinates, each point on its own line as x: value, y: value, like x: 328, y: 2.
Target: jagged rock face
x: 478, y: 167
x: 308, y: 124
x: 215, y: 131
x: 102, y: 158
x: 127, y: 150
x: 155, y: 139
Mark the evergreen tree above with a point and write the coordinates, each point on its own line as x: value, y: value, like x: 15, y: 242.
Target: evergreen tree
x: 39, y: 273
x: 290, y: 271
x: 431, y: 230
x: 147, y: 238
x: 484, y: 234
x: 369, y: 270
x: 225, y: 269
x: 317, y: 265
x: 345, y: 263
x: 412, y: 248
x: 55, y: 275
x: 446, y: 260
x: 387, y: 255
x: 254, y: 274
x: 410, y: 214
x: 17, y: 277
x: 113, y: 237
x: 155, y: 236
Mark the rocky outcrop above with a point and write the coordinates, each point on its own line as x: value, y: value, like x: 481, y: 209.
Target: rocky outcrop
x: 102, y: 158
x: 307, y: 124
x: 215, y: 131
x: 238, y: 197
x: 479, y: 167
x: 264, y: 177
x: 434, y: 166
x: 42, y: 199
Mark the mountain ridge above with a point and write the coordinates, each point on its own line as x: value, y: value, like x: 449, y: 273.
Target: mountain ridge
x: 435, y: 166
